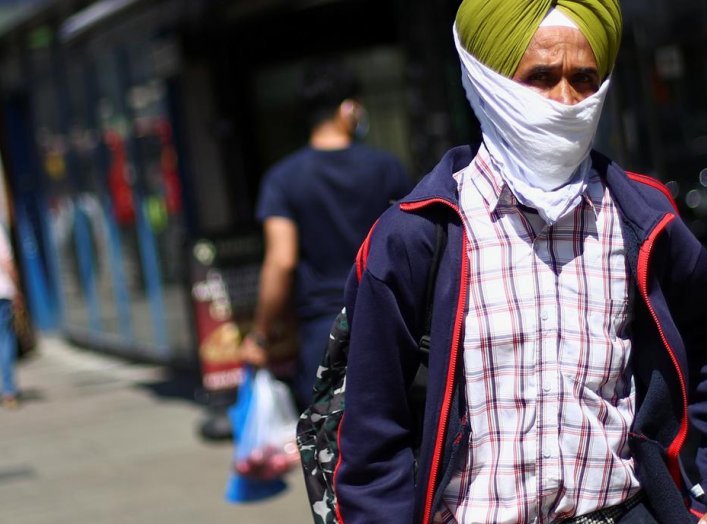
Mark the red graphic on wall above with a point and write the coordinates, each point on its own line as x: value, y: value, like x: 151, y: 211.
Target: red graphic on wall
x: 118, y: 182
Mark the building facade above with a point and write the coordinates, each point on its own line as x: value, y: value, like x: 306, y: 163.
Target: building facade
x: 134, y: 134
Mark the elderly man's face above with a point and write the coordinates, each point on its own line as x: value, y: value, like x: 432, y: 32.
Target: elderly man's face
x: 560, y: 65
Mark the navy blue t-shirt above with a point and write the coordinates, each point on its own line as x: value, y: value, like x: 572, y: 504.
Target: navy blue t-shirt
x: 334, y: 197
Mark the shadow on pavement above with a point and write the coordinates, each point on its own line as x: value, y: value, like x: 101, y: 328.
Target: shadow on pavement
x: 177, y: 384
x: 214, y: 425
x: 26, y: 395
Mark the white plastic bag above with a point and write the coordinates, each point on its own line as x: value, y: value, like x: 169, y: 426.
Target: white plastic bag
x: 266, y: 448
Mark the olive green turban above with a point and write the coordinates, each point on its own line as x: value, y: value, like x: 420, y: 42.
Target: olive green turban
x: 497, y: 32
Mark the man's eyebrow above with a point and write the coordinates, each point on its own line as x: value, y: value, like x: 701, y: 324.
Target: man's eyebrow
x: 542, y: 69
x: 587, y: 70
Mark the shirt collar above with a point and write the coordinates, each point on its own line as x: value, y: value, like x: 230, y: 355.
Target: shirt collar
x: 489, y: 183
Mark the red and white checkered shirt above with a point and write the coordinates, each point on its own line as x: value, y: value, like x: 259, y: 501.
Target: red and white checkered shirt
x: 550, y: 397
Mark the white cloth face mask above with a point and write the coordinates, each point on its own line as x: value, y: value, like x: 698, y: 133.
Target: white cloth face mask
x: 541, y: 146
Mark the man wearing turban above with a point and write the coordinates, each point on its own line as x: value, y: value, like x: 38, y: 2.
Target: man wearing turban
x: 567, y: 368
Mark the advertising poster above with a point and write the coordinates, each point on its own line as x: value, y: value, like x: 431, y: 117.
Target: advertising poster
x: 224, y: 286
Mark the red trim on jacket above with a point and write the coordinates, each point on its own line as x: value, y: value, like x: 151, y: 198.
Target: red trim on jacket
x: 339, y: 517
x: 644, y: 179
x: 451, y: 369
x: 644, y: 254
x: 362, y: 255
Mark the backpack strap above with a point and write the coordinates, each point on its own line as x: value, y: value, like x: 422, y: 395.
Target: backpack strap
x: 440, y: 244
x: 418, y: 389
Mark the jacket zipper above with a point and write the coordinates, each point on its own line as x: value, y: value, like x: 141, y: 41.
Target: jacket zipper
x: 446, y: 404
x: 451, y: 371
x: 643, y: 261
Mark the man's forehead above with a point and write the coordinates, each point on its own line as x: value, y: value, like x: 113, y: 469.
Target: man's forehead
x: 553, y: 46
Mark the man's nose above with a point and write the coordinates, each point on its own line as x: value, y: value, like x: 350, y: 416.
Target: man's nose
x: 564, y: 93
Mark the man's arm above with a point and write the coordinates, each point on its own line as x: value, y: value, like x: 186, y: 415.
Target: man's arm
x: 686, y: 297
x: 8, y: 267
x: 695, y: 334
x: 374, y: 480
x: 274, y: 292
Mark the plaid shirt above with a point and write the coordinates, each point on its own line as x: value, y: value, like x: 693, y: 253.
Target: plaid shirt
x: 546, y: 349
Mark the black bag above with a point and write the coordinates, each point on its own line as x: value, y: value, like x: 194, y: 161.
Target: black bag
x: 23, y: 328
x: 318, y: 426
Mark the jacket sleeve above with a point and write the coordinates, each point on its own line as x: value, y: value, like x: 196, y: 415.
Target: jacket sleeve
x: 696, y: 343
x: 689, y: 295
x: 374, y: 480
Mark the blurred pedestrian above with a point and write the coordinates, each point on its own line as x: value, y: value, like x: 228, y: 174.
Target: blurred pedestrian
x: 316, y: 206
x: 567, y: 376
x: 9, y: 293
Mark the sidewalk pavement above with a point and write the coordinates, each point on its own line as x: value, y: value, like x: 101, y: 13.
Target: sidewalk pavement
x: 98, y: 440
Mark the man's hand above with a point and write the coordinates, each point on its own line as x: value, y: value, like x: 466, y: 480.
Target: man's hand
x: 703, y: 520
x: 253, y: 351
x: 270, y: 462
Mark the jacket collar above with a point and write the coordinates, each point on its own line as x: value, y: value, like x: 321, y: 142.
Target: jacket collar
x: 639, y: 215
x: 439, y: 184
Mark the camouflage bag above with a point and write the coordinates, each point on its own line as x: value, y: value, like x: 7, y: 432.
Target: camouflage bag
x: 318, y: 426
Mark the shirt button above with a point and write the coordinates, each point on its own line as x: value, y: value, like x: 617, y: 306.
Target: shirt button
x: 546, y: 454
x: 544, y: 315
x: 547, y: 388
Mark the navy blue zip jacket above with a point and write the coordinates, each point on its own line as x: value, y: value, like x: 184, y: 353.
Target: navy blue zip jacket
x: 377, y: 480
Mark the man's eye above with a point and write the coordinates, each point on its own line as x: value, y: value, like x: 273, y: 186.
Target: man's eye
x: 586, y: 81
x: 539, y: 78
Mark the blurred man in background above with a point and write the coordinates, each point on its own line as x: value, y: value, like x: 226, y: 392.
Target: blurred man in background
x: 316, y: 206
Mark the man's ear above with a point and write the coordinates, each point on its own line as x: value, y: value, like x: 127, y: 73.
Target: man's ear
x: 348, y: 112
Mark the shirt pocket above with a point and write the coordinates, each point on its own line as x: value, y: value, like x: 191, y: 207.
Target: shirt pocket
x: 600, y: 362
